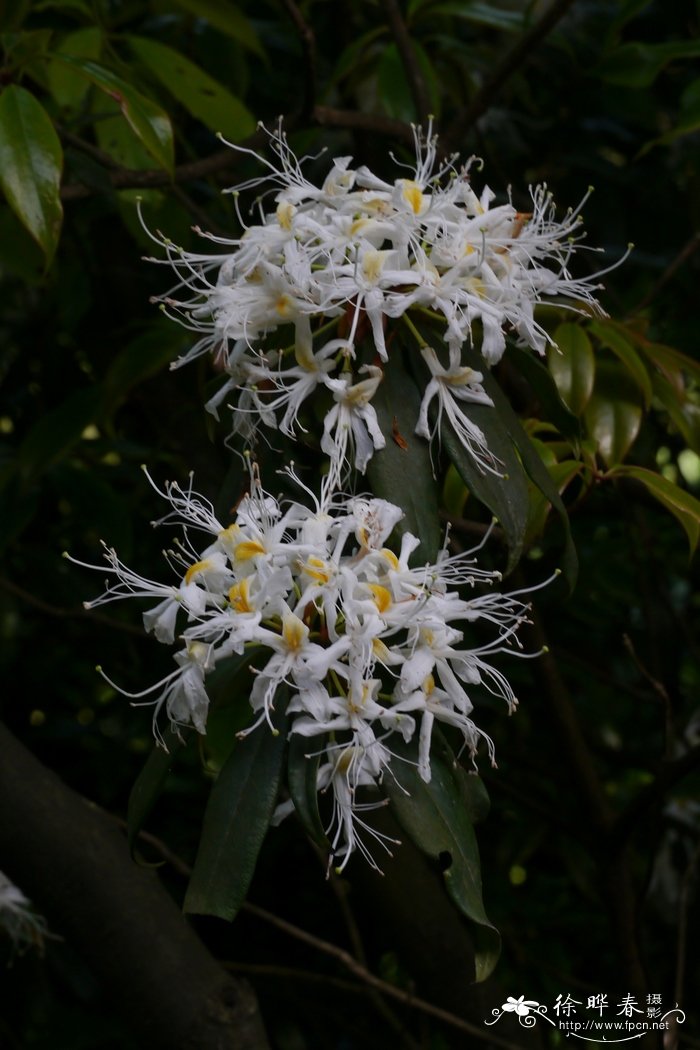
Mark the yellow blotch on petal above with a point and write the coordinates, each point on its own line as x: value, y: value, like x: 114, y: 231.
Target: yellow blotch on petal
x: 199, y: 566
x: 285, y: 213
x: 248, y: 549
x: 283, y: 305
x: 413, y: 194
x: 381, y: 596
x: 317, y: 570
x: 429, y: 685
x: 294, y: 632
x: 391, y: 558
x: 239, y: 596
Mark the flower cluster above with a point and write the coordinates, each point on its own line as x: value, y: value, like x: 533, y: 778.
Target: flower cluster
x: 304, y: 300
x: 17, y: 919
x: 363, y: 643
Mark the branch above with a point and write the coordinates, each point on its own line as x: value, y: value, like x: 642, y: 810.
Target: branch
x: 519, y: 54
x: 69, y: 614
x: 308, y: 46
x: 224, y: 160
x: 414, y: 73
x: 73, y: 862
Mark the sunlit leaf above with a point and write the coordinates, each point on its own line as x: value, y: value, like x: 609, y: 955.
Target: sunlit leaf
x: 31, y: 162
x: 201, y: 95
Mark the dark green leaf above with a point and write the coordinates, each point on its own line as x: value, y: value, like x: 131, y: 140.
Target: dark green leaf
x: 237, y: 817
x: 58, y: 431
x: 614, y: 413
x: 638, y: 65
x: 31, y: 162
x: 226, y: 17
x: 572, y: 363
x: 436, y: 819
x: 612, y: 338
x: 203, y: 97
x: 67, y: 86
x: 478, y: 13
x: 149, y: 784
x: 302, y: 768
x: 147, y: 120
x: 142, y: 358
x: 402, y: 472
x: 547, y: 393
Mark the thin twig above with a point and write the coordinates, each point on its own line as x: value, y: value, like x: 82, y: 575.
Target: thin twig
x: 686, y: 252
x: 660, y: 690
x: 68, y: 614
x: 669, y: 774
x: 308, y: 46
x: 518, y: 55
x: 351, y: 964
x: 414, y: 73
x: 224, y: 160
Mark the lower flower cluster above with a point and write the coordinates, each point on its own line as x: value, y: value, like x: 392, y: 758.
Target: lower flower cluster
x: 365, y: 644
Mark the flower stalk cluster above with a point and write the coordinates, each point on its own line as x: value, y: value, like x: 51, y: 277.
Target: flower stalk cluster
x: 368, y: 645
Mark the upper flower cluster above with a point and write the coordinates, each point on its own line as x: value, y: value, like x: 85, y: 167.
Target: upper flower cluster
x: 332, y: 266
x: 365, y: 644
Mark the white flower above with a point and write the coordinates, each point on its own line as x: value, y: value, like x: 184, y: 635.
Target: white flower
x: 17, y: 917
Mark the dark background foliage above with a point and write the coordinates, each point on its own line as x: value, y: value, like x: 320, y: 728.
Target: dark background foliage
x: 590, y: 851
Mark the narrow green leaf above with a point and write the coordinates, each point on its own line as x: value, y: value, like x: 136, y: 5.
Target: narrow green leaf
x: 402, y: 472
x: 684, y: 414
x: 201, y: 95
x: 31, y: 162
x: 237, y: 817
x: 637, y: 64
x: 562, y: 474
x: 149, y: 784
x: 614, y: 413
x: 67, y: 86
x: 479, y: 13
x: 666, y: 358
x: 436, y: 819
x: 572, y: 364
x: 681, y: 504
x: 226, y: 17
x: 302, y: 769
x: 612, y: 339
x: 147, y: 120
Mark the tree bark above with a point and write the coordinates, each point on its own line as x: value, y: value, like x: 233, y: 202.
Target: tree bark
x: 73, y: 862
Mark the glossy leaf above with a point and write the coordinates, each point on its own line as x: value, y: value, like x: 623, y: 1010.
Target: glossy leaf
x: 236, y: 820
x: 149, y: 783
x: 302, y: 768
x: 572, y: 364
x: 402, y: 472
x: 226, y: 17
x: 562, y: 474
x: 681, y: 504
x: 31, y: 162
x: 684, y: 414
x: 436, y: 819
x: 68, y: 86
x: 201, y: 95
x: 143, y: 357
x: 478, y: 13
x: 147, y: 120
x: 614, y: 413
x: 612, y: 339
